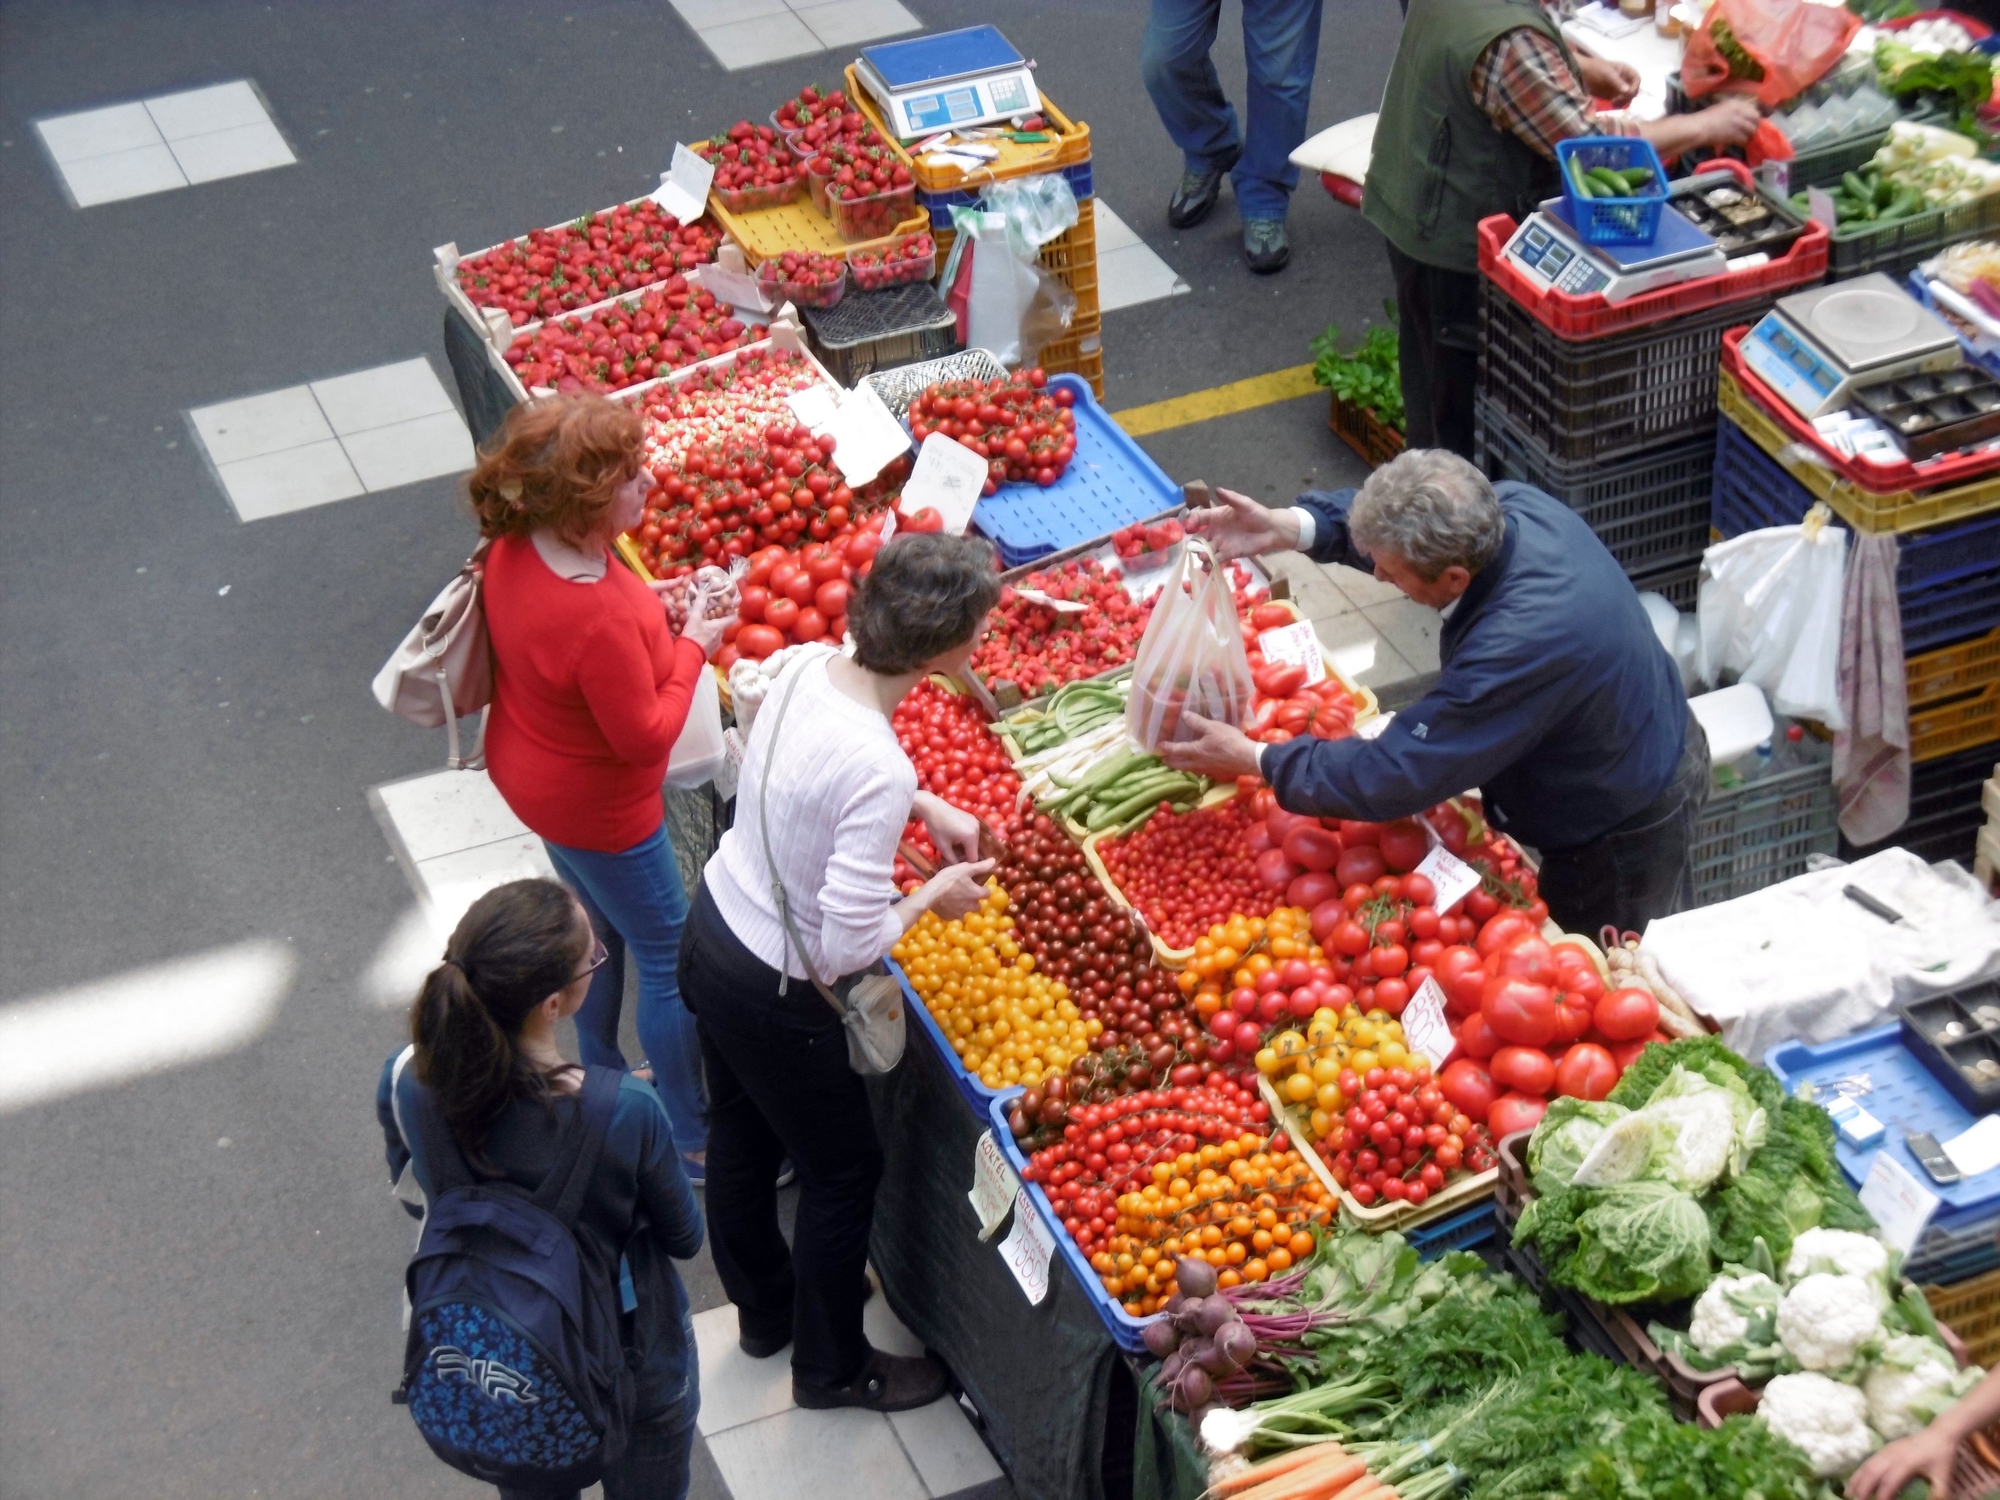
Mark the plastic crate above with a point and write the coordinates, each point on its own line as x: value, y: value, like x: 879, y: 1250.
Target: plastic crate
x: 1367, y: 434
x: 1650, y: 510
x: 1816, y: 166
x: 1958, y: 725
x: 1970, y: 666
x: 871, y: 331
x: 1971, y: 1310
x: 941, y: 204
x: 1071, y: 257
x: 1466, y: 1231
x: 1679, y: 586
x: 1947, y: 577
x: 798, y: 225
x: 1945, y: 802
x: 1761, y: 833
x: 1864, y: 509
x: 1898, y: 247
x: 1604, y: 398
x: 1081, y: 355
x: 970, y: 1089
x: 1070, y: 146
x: 1631, y: 220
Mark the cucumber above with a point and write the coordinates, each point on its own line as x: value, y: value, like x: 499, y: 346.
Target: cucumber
x: 1637, y: 178
x: 1580, y: 182
x: 1605, y: 178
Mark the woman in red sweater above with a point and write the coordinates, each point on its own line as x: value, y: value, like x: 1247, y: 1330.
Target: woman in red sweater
x: 590, y: 690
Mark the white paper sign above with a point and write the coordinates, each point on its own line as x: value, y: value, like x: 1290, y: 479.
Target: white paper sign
x: 1424, y: 1025
x: 994, y: 1186
x: 1027, y: 1249
x: 814, y: 406
x: 683, y: 190
x: 1978, y: 1149
x: 1452, y: 876
x: 1902, y: 1206
x: 866, y: 435
x: 447, y: 255
x: 1376, y: 727
x: 948, y: 476
x: 739, y: 289
x: 1294, y: 645
x: 731, y: 770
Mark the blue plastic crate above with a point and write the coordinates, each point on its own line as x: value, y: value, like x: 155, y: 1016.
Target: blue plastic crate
x: 941, y: 204
x: 1614, y: 221
x: 1126, y: 1331
x: 1463, y: 1231
x: 1947, y: 577
x: 1110, y: 482
x: 975, y: 1093
x: 1907, y: 1099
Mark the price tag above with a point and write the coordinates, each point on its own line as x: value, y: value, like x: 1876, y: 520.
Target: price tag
x: 1027, y: 1248
x: 1294, y: 645
x: 1452, y: 876
x: 947, y: 476
x: 1902, y: 1206
x: 1819, y: 206
x: 994, y: 1186
x: 1424, y: 1025
x: 866, y: 435
x: 814, y: 406
x: 739, y: 289
x: 683, y: 189
x: 1376, y: 727
x: 731, y: 770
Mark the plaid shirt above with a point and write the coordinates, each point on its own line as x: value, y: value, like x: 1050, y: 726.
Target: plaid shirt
x: 1526, y: 89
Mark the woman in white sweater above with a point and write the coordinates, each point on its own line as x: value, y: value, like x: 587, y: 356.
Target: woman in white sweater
x: 840, y: 791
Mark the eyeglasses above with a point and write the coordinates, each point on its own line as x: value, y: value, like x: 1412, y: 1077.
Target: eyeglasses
x: 599, y: 957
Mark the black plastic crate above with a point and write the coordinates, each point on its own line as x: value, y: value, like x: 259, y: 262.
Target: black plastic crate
x: 1901, y: 246
x: 1945, y: 815
x: 1608, y: 398
x: 1649, y: 510
x: 1947, y: 577
x: 869, y: 331
x: 1680, y: 586
x: 1957, y: 1036
x: 1763, y: 832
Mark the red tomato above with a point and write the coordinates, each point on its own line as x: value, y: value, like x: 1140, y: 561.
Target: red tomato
x: 1310, y: 889
x: 759, y: 641
x: 781, y: 613
x: 1350, y: 937
x: 1519, y: 1010
x: 1274, y: 869
x: 825, y: 568
x: 1512, y: 1112
x: 1312, y: 848
x: 799, y: 588
x: 750, y: 602
x: 1359, y: 864
x: 1502, y: 931
x: 810, y: 625
x: 1325, y: 918
x: 1418, y: 890
x: 1390, y: 962
x: 1271, y: 617
x: 1527, y: 1069
x: 1627, y: 1015
x: 1404, y: 844
x: 1626, y: 1053
x: 1573, y: 1014
x: 1352, y: 833
x: 1469, y: 1087
x: 1281, y: 823
x: 1476, y: 1038
x: 1391, y: 994
x: 830, y: 598
x: 1526, y: 958
x: 1586, y: 1071
x: 782, y: 575
x: 1463, y: 979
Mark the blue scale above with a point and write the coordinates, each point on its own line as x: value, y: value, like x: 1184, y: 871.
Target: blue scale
x: 1815, y: 347
x: 1550, y: 251
x: 954, y: 80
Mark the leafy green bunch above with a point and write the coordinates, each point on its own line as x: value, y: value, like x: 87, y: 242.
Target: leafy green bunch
x: 1371, y: 377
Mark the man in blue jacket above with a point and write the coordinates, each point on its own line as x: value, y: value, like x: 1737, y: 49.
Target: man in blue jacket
x: 1555, y: 697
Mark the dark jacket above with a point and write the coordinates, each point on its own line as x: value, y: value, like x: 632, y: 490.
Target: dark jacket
x: 1555, y: 697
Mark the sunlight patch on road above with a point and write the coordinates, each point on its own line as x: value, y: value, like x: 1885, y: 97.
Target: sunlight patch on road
x: 138, y: 1023
x: 410, y: 950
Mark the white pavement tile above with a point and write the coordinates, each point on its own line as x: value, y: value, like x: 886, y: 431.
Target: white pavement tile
x: 845, y: 23
x: 1355, y: 646
x: 422, y: 448
x: 1113, y: 233
x: 947, y: 1453
x: 452, y: 882
x: 443, y: 812
x: 1317, y: 595
x: 200, y: 111
x: 736, y: 1389
x: 98, y: 132
x: 275, y: 484
x: 829, y: 1455
x: 121, y: 174
x: 381, y: 396
x: 232, y: 153
x: 764, y: 39
x: 1129, y: 272
x: 705, y: 13
x: 254, y: 425
x: 1411, y: 628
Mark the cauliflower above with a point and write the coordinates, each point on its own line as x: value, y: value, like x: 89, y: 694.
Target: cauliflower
x: 1825, y: 1321
x: 1913, y: 1384
x: 1841, y: 1251
x: 1724, y: 1314
x: 1822, y: 1418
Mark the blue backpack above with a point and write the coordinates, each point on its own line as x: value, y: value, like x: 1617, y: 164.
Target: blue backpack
x: 514, y: 1371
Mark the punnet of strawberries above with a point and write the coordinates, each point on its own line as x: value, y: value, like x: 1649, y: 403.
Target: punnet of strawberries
x: 1024, y: 431
x: 802, y: 277
x: 548, y: 272
x: 869, y: 194
x: 815, y: 117
x: 907, y: 258
x: 629, y: 341
x: 753, y: 167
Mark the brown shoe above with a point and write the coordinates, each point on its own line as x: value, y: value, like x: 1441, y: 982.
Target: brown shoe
x: 887, y: 1382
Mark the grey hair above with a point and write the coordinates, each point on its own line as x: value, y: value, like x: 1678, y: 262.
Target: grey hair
x: 1432, y: 508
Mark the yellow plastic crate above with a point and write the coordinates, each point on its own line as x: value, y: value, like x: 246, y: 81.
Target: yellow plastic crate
x: 797, y: 225
x: 1957, y: 725
x: 1070, y: 148
x: 1864, y: 510
x: 1971, y: 1309
x: 1951, y: 671
x: 1082, y: 353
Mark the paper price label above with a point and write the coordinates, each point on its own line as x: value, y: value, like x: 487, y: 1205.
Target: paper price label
x: 814, y: 406
x: 948, y: 477
x: 1902, y: 1206
x: 1027, y: 1249
x: 683, y: 189
x: 1424, y: 1025
x: 1294, y: 645
x: 994, y: 1186
x: 739, y: 289
x: 731, y: 770
x: 1452, y: 876
x: 866, y: 435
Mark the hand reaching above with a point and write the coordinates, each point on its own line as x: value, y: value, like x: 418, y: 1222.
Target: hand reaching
x: 1240, y: 527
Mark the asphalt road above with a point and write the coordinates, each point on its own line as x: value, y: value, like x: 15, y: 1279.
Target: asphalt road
x: 184, y: 768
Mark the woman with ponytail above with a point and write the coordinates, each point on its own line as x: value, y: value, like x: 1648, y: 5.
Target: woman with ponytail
x: 590, y: 691
x: 483, y: 1050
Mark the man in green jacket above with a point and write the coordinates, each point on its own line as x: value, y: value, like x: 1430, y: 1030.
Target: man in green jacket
x: 1478, y: 96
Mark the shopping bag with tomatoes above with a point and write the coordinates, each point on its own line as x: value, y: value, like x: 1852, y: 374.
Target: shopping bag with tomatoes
x: 1191, y: 658
x: 1768, y: 49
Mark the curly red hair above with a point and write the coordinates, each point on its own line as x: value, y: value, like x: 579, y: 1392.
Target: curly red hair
x: 555, y: 464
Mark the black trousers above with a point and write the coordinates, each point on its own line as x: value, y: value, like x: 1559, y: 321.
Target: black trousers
x: 779, y: 1085
x: 1437, y: 313
x: 1639, y: 870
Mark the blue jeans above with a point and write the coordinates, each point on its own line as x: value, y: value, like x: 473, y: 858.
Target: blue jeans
x: 1281, y: 46
x: 635, y: 901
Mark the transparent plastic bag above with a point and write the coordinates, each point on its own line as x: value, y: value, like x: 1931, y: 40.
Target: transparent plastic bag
x: 1037, y: 209
x: 1778, y: 48
x: 1770, y: 614
x: 1006, y: 301
x: 1191, y: 658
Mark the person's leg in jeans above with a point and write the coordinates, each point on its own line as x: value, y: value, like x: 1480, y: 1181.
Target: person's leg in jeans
x: 1173, y: 60
x: 655, y: 1462
x: 604, y: 1002
x: 1281, y: 48
x: 638, y: 891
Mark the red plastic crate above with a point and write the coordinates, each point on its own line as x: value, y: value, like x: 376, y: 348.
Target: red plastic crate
x: 1937, y: 473
x: 1591, y: 317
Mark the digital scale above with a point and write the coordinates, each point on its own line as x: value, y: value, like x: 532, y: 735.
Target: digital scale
x: 956, y: 78
x: 1549, y: 250
x: 1815, y: 347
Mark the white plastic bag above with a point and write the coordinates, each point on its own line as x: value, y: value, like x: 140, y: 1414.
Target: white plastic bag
x: 1037, y: 208
x: 1191, y: 658
x: 1770, y: 614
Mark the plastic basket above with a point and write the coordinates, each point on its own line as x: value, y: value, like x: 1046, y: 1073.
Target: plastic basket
x: 1947, y: 577
x: 1650, y: 510
x: 1816, y: 166
x: 1462, y: 1231
x: 1969, y: 667
x: 872, y: 331
x: 940, y: 205
x: 1604, y: 398
x: 1367, y: 434
x: 1071, y: 145
x: 1940, y: 730
x: 1613, y: 221
x: 1898, y: 247
x: 1756, y: 835
x: 1972, y: 1311
x: 876, y: 216
x: 1809, y: 462
x: 798, y: 226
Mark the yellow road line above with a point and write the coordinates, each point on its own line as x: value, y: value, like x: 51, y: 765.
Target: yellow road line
x: 1218, y: 401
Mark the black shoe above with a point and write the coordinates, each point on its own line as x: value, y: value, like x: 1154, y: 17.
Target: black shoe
x: 763, y: 1348
x: 1193, y: 199
x: 1265, y: 246
x: 887, y: 1382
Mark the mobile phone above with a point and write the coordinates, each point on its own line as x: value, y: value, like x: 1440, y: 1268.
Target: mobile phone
x: 1930, y: 1156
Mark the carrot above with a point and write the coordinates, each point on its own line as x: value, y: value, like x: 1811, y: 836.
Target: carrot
x: 1272, y: 1468
x: 1367, y: 1487
x: 1334, y: 1476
